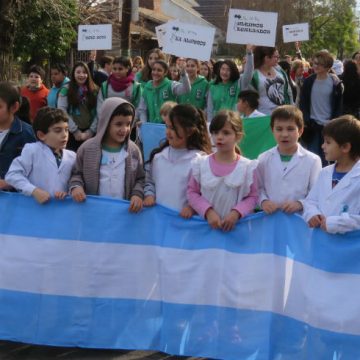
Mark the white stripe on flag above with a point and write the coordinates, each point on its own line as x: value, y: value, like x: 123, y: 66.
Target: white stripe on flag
x: 263, y: 282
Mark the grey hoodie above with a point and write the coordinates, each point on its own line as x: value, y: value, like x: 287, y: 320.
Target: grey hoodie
x: 86, y: 171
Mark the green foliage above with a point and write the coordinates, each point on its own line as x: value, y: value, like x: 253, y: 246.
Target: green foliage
x: 333, y: 27
x: 45, y: 29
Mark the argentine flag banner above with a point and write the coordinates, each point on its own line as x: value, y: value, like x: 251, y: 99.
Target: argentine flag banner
x: 94, y: 275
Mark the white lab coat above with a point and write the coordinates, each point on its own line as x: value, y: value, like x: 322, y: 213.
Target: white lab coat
x: 170, y: 178
x: 36, y: 167
x: 340, y: 205
x: 292, y: 184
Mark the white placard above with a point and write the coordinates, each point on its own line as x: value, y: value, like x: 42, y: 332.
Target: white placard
x: 251, y: 27
x: 161, y: 32
x: 189, y: 40
x: 95, y: 37
x: 296, y: 32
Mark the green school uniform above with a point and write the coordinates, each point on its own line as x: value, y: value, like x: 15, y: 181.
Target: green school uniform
x: 224, y: 96
x: 154, y: 97
x: 197, y: 95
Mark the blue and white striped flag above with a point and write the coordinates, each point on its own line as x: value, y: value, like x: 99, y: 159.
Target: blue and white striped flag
x: 94, y: 275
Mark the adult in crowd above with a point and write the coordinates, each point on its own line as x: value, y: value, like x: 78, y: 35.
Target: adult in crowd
x: 35, y: 90
x: 78, y: 99
x: 269, y: 80
x: 351, y: 80
x: 320, y: 101
x: 58, y: 74
x: 104, y: 70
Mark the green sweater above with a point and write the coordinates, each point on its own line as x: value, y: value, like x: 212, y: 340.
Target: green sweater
x: 155, y: 97
x: 197, y: 95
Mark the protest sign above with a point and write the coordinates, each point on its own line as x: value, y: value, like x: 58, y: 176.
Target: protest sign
x: 189, y: 40
x: 251, y: 27
x: 95, y: 37
x: 296, y: 32
x: 161, y: 31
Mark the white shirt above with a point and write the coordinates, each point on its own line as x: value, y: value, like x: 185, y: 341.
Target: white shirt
x: 112, y: 173
x: 171, y: 172
x: 340, y: 205
x: 224, y: 192
x: 255, y: 113
x: 291, y: 183
x: 36, y: 167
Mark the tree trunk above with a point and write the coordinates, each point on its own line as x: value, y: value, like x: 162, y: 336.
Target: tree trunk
x: 7, y: 35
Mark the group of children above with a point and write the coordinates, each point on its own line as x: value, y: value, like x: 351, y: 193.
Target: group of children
x: 183, y: 173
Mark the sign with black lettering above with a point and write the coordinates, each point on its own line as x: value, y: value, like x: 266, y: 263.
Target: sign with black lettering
x: 95, y: 37
x: 296, y: 32
x: 251, y: 27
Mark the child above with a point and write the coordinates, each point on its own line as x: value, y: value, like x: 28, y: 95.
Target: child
x: 159, y: 90
x: 120, y: 84
x: 222, y: 187
x: 43, y: 169
x: 78, y: 99
x: 333, y: 203
x: 199, y: 86
x: 165, y: 109
x: 287, y: 172
x: 110, y: 164
x: 168, y: 170
x: 248, y: 103
x: 224, y: 91
x: 14, y: 133
x: 35, y: 90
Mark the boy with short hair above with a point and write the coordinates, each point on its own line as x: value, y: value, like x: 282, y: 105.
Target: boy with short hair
x: 334, y: 202
x: 59, y: 79
x: 14, y: 133
x: 35, y: 90
x: 110, y: 164
x: 287, y: 172
x: 248, y: 102
x: 43, y: 169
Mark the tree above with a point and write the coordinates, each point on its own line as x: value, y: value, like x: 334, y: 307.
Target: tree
x: 47, y: 30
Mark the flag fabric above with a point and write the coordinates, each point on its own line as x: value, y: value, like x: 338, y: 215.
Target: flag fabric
x: 257, y: 136
x: 95, y: 275
x: 257, y: 139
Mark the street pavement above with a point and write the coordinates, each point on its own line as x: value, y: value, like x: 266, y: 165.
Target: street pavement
x: 17, y: 351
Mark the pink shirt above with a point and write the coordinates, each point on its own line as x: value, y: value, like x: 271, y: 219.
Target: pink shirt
x: 201, y: 205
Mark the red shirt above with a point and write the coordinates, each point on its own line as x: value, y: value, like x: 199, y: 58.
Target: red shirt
x: 37, y: 99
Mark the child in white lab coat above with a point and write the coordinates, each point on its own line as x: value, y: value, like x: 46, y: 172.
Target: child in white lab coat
x: 287, y: 172
x: 43, y: 169
x: 334, y: 202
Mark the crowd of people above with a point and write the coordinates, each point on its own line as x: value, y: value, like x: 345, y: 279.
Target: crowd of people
x: 81, y: 137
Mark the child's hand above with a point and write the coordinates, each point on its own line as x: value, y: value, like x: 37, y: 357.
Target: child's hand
x: 315, y: 221
x: 323, y: 223
x: 187, y: 212
x: 149, y: 201
x: 269, y: 206
x: 291, y: 207
x: 41, y: 196
x: 230, y: 220
x: 136, y: 204
x: 77, y: 135
x: 78, y: 194
x: 4, y: 185
x: 60, y: 195
x: 213, y: 219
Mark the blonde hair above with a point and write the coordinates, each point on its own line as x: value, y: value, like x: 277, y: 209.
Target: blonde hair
x: 167, y: 107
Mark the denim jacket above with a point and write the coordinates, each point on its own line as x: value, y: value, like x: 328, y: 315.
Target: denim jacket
x: 20, y: 133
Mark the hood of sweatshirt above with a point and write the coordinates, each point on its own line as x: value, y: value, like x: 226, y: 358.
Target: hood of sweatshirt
x: 108, y: 107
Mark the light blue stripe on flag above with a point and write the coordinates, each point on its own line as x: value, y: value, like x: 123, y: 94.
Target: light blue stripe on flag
x: 93, y: 275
